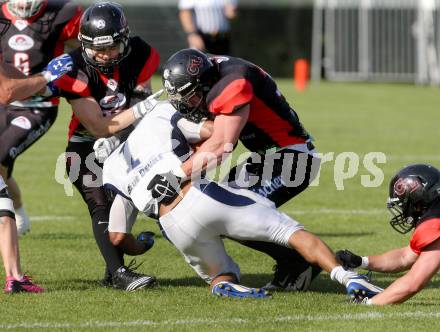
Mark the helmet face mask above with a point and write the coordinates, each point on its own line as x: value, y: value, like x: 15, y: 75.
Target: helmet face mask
x: 413, y: 190
x: 401, y: 223
x: 25, y: 8
x: 104, y: 36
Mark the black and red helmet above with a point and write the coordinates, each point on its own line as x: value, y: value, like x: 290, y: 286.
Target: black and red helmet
x: 413, y: 190
x: 104, y: 25
x: 187, y: 73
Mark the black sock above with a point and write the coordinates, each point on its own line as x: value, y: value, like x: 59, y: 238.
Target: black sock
x: 112, y: 255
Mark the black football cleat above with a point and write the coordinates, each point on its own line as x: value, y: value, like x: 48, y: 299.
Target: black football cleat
x: 126, y: 279
x: 292, y: 278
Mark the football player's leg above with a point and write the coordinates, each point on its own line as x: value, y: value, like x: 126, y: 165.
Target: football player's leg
x: 122, y: 218
x: 317, y: 252
x: 291, y: 269
x: 98, y: 206
x: 15, y: 280
x: 23, y: 128
x: 8, y: 237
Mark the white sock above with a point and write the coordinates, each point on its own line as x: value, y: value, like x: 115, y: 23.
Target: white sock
x: 342, y: 276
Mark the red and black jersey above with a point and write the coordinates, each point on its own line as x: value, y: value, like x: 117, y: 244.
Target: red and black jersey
x: 113, y: 92
x: 272, y: 122
x: 31, y: 43
x: 427, y: 230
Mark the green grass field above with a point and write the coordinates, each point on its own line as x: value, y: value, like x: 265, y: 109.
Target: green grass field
x: 398, y: 120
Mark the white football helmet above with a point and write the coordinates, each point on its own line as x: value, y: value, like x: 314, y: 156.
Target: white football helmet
x: 25, y: 8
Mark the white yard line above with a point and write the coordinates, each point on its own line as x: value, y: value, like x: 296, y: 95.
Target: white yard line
x: 369, y: 316
x: 366, y: 212
x: 51, y: 218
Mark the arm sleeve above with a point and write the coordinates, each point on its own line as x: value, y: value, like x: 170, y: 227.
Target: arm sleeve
x: 190, y: 130
x: 425, y: 234
x: 234, y: 96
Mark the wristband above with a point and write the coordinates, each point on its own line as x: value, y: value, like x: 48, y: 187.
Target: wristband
x: 365, y: 262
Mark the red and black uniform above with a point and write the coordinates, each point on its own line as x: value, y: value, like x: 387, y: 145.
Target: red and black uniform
x: 427, y: 230
x: 29, y: 45
x: 272, y: 124
x: 114, y: 93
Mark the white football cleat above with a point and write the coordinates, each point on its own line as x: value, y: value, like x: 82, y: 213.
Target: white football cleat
x: 22, y: 221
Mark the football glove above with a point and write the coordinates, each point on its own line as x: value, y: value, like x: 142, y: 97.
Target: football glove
x: 145, y: 106
x: 165, y: 187
x: 57, y: 67
x: 104, y: 147
x: 147, y: 238
x: 348, y: 259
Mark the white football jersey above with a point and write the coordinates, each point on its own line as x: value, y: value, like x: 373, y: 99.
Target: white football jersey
x: 156, y: 146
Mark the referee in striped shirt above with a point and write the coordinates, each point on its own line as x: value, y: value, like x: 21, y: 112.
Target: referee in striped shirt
x: 206, y: 24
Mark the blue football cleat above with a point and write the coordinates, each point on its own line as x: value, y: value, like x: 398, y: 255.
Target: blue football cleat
x: 229, y: 289
x: 359, y: 288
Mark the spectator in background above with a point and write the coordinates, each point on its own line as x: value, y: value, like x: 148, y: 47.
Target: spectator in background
x: 206, y: 24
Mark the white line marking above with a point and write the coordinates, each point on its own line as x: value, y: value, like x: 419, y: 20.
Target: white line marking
x: 202, y: 321
x: 51, y: 218
x: 366, y: 212
x: 413, y: 157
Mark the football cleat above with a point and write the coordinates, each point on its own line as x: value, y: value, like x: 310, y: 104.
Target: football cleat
x: 126, y: 279
x: 359, y: 288
x: 229, y: 289
x: 25, y: 285
x: 290, y: 278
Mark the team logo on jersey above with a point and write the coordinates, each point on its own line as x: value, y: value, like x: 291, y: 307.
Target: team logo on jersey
x: 112, y: 84
x: 21, y: 24
x: 111, y: 104
x: 22, y: 122
x: 21, y: 42
x: 195, y: 63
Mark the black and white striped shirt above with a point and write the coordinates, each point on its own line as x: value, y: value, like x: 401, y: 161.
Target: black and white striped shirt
x: 209, y: 14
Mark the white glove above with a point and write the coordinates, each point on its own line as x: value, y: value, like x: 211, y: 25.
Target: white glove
x: 145, y: 106
x: 104, y: 147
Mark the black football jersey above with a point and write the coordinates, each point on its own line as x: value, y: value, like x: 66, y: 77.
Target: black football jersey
x: 432, y: 213
x: 29, y: 44
x: 113, y: 92
x: 272, y: 122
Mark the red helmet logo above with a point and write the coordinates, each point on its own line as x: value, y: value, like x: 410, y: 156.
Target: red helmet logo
x: 195, y: 63
x: 406, y: 185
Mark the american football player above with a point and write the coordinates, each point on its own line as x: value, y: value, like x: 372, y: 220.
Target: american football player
x: 246, y: 105
x: 197, y: 219
x: 414, y: 202
x: 39, y: 31
x: 16, y: 281
x: 106, y: 89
